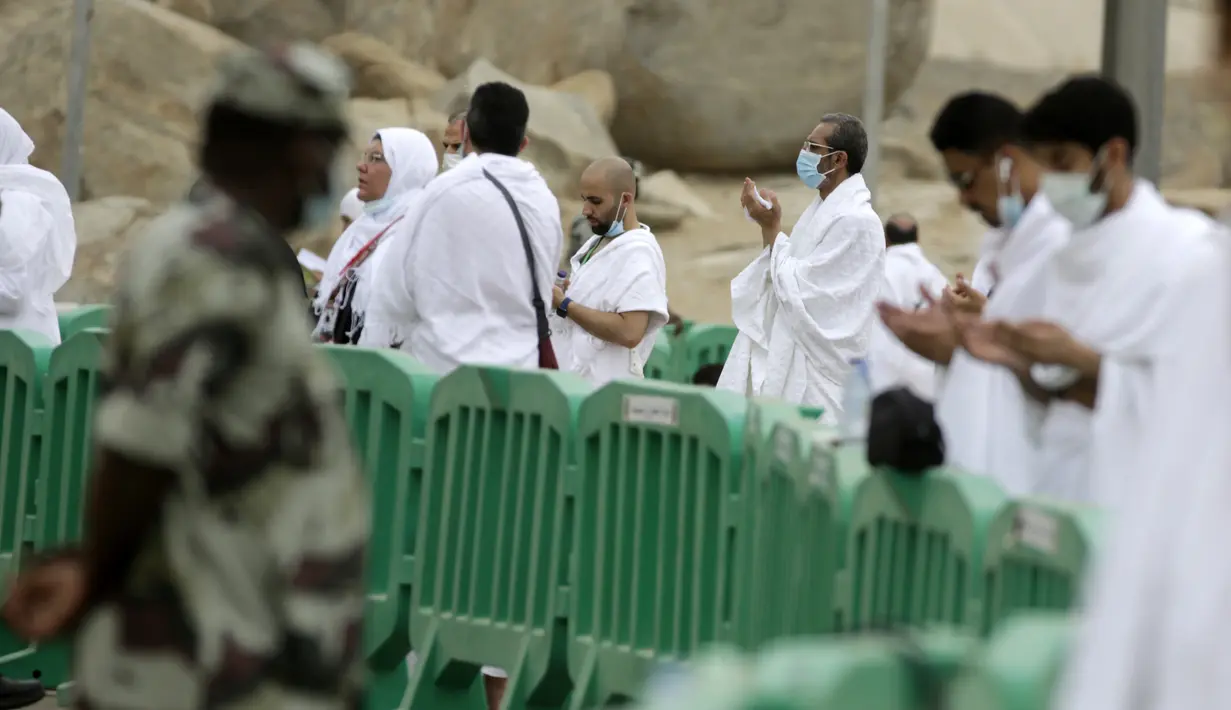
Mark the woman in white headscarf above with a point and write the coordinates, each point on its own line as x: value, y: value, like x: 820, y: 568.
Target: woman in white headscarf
x: 398, y: 163
x: 37, y: 237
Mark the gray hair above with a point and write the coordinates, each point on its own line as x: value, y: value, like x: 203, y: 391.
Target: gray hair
x: 457, y: 116
x: 849, y: 137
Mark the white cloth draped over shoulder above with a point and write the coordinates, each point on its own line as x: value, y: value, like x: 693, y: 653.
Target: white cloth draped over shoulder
x: 891, y: 364
x: 454, y: 286
x: 351, y: 207
x: 628, y: 274
x: 1154, y: 632
x: 991, y: 425
x: 412, y: 164
x: 38, y: 239
x: 806, y: 306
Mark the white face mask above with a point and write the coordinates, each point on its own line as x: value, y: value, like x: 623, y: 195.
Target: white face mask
x: 450, y: 161
x: 1071, y: 196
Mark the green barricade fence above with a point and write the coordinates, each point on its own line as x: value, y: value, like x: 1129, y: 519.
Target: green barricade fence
x: 850, y: 467
x: 388, y: 398
x: 1036, y: 557
x: 1019, y: 667
x: 24, y: 360
x: 702, y: 345
x: 83, y: 317
x: 819, y: 547
x: 658, y: 526
x: 495, y: 535
x: 659, y: 366
x: 915, y: 550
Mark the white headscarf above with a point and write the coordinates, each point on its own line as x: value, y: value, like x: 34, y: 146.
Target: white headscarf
x: 412, y: 164
x: 351, y: 207
x: 17, y: 175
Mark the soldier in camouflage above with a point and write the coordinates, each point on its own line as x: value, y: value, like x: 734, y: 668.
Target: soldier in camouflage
x: 225, y: 531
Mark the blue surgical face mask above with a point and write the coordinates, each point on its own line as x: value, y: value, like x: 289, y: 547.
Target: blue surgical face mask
x: 617, y: 224
x: 1010, y: 205
x: 807, y: 166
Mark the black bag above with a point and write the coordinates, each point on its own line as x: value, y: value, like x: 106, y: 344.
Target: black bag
x: 903, y: 433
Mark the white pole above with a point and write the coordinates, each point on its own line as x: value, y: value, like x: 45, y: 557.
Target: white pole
x: 874, y: 88
x: 74, y: 126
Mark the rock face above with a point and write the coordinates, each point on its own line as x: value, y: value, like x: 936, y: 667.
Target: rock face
x: 104, y: 228
x: 741, y: 88
x: 566, y: 134
x: 150, y: 71
x: 379, y: 72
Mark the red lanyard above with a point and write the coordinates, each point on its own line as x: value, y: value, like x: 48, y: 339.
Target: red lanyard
x: 358, y: 259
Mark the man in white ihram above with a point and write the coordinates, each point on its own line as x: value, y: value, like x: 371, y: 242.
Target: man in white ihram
x: 907, y: 274
x: 455, y: 286
x: 805, y: 306
x: 615, y: 299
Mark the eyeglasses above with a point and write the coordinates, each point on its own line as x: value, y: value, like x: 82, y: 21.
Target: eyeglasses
x: 375, y: 158
x: 963, y: 180
x: 810, y: 147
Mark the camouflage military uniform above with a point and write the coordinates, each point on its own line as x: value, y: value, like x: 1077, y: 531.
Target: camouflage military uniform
x: 248, y: 592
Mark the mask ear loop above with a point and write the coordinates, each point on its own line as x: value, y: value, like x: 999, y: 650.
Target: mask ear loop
x: 1005, y: 168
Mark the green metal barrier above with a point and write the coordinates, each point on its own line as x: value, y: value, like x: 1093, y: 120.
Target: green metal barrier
x: 495, y: 536
x: 702, y: 345
x: 24, y: 360
x: 1019, y: 667
x: 1036, y: 557
x: 83, y: 317
x: 850, y: 466
x: 658, y: 525
x: 388, y: 398
x: 915, y: 550
x: 660, y: 366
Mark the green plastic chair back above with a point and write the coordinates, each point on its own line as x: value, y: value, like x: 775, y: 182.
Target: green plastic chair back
x: 659, y: 365
x: 658, y: 526
x: 24, y: 359
x: 1036, y: 557
x: 495, y: 537
x: 82, y: 317
x: 703, y: 345
x: 915, y: 548
x: 1020, y: 666
x: 388, y: 398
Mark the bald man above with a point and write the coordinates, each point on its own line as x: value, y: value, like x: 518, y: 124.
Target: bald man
x: 907, y: 274
x: 615, y: 298
x: 452, y: 142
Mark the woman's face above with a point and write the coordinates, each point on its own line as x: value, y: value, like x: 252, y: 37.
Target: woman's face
x: 374, y: 172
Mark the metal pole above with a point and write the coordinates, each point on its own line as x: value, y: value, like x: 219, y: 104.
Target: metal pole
x: 1135, y: 55
x: 74, y: 126
x: 874, y: 88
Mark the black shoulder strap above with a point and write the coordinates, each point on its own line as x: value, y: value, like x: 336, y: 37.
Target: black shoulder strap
x: 540, y: 308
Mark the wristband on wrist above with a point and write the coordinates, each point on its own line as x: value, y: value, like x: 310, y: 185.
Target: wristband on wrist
x: 562, y: 309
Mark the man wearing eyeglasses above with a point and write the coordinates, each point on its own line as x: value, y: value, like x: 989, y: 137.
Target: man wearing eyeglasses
x: 805, y: 306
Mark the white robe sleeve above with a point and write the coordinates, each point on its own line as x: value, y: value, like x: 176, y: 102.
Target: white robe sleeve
x: 25, y: 227
x: 751, y: 296
x: 828, y: 295
x: 646, y: 290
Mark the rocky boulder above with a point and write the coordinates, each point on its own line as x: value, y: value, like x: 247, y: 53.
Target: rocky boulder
x: 566, y: 134
x: 150, y: 71
x: 379, y: 72
x: 104, y: 229
x: 740, y: 89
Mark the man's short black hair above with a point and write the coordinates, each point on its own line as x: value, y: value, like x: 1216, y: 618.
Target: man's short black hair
x: 497, y: 118
x: 850, y: 137
x: 977, y: 123
x: 1088, y: 110
x: 232, y: 136
x: 901, y: 229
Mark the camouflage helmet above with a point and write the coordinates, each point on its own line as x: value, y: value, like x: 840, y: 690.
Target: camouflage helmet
x: 297, y: 84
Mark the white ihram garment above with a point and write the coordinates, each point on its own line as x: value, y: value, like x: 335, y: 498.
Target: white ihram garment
x: 1154, y: 633
x: 991, y: 425
x: 806, y: 306
x: 628, y: 274
x: 38, y: 239
x: 890, y: 363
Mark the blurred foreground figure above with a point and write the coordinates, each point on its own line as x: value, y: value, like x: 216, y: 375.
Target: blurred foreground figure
x: 226, y: 526
x: 908, y: 276
x: 38, y: 239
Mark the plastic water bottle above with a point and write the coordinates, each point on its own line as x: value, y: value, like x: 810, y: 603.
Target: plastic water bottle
x: 856, y: 403
x: 561, y: 277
